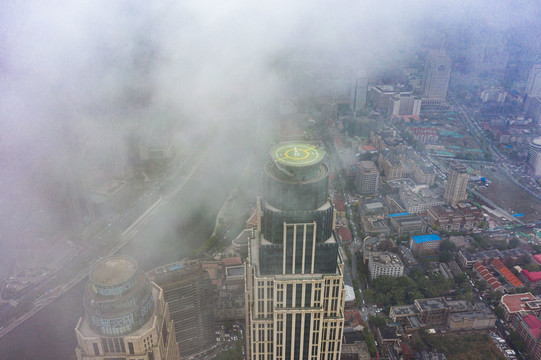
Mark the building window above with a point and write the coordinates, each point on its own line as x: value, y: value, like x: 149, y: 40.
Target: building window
x: 130, y: 348
x: 96, y: 349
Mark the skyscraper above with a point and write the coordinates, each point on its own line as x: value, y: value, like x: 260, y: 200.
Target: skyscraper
x: 436, y: 78
x: 533, y: 86
x: 456, y: 185
x: 358, y: 94
x: 126, y: 316
x: 190, y: 296
x: 534, y: 155
x: 294, y: 283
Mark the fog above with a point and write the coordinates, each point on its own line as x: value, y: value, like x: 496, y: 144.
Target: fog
x: 81, y: 79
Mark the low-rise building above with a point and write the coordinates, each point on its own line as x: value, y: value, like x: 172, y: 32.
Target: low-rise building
x: 407, y: 224
x: 463, y: 216
x: 419, y: 198
x: 514, y: 304
x: 483, y: 273
x: 509, y: 257
x: 531, y: 279
x: 506, y: 273
x: 473, y: 320
x: 455, y: 314
x: 373, y: 221
x: 425, y: 244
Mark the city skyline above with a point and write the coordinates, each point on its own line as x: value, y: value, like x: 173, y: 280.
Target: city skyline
x: 126, y: 128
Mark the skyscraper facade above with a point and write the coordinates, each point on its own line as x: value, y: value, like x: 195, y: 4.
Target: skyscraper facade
x: 294, y: 283
x: 436, y: 78
x: 533, y: 86
x: 126, y: 316
x: 190, y: 296
x: 534, y: 155
x: 456, y: 185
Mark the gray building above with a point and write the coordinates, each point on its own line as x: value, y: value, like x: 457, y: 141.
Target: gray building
x: 189, y: 293
x: 436, y: 78
x: 456, y: 184
x: 367, y: 178
x: 407, y: 224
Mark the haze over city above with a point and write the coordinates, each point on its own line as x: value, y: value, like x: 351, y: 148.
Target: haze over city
x: 88, y: 88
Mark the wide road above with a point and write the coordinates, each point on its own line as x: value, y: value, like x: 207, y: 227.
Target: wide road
x: 171, y: 233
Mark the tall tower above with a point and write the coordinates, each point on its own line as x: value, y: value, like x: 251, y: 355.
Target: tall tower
x: 125, y: 315
x: 294, y: 284
x: 436, y: 78
x: 534, y: 155
x: 456, y: 185
x: 533, y: 86
x: 190, y: 296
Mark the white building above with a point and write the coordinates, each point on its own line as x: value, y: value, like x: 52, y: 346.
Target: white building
x: 534, y: 158
x: 404, y: 105
x: 384, y: 263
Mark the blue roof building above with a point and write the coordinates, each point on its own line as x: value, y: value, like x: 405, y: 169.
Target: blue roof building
x: 425, y: 244
x: 422, y: 238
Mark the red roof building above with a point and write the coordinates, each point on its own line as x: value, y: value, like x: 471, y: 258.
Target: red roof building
x: 531, y: 279
x: 483, y: 272
x: 232, y: 261
x: 506, y: 273
x: 344, y: 233
x: 537, y: 258
x: 512, y: 304
x: 528, y: 328
x: 339, y: 205
x: 369, y: 149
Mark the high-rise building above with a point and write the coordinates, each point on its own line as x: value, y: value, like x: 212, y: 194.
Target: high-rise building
x: 126, y: 316
x: 189, y: 293
x: 404, y: 105
x: 456, y: 184
x: 367, y: 178
x: 534, y: 155
x: 533, y: 86
x: 384, y: 264
x: 294, y: 275
x: 436, y: 78
x: 359, y: 93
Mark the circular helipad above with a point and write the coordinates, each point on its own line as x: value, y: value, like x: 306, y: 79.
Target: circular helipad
x: 297, y: 154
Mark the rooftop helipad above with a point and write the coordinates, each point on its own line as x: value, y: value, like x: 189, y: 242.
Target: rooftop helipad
x: 297, y: 154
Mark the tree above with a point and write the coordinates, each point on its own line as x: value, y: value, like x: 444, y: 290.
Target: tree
x: 514, y: 243
x: 447, y: 245
x: 445, y: 256
x: 377, y: 321
x: 516, y: 340
x: 370, y: 342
